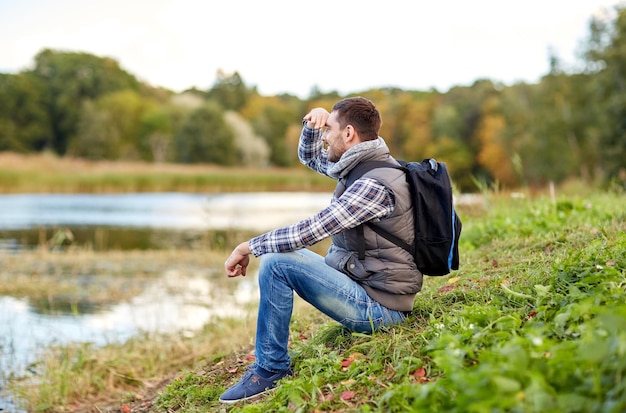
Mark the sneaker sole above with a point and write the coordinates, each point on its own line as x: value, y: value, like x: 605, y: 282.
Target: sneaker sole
x: 246, y: 398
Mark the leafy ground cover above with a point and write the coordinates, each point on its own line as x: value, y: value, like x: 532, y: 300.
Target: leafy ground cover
x: 534, y: 321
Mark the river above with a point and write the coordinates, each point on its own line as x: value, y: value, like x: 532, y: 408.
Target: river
x: 178, y: 211
x: 28, y: 220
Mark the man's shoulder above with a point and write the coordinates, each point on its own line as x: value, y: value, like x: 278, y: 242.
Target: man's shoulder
x: 383, y: 171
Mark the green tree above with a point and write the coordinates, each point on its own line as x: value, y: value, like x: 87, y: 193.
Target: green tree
x: 606, y: 62
x: 394, y: 106
x: 126, y: 108
x: 272, y: 121
x: 156, y: 133
x: 517, y: 107
x: 24, y: 121
x: 122, y: 111
x: 447, y: 121
x: 161, y: 122
x: 205, y: 137
x: 552, y: 151
x: 229, y: 90
x: 71, y: 78
x: 456, y: 119
x: 97, y: 137
x: 447, y: 142
x: 407, y: 121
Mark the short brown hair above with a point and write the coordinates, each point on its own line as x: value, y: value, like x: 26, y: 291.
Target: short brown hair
x: 362, y: 114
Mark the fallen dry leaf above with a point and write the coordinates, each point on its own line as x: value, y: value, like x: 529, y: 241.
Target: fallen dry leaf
x: 446, y: 288
x: 347, y: 395
x: 421, y: 372
x: 345, y: 363
x: 420, y: 375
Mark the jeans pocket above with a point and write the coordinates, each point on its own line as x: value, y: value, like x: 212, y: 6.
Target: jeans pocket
x: 393, y: 316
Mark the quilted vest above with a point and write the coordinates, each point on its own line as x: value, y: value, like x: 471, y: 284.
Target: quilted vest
x: 388, y: 272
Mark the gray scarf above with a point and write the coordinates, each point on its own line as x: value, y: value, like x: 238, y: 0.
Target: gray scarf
x: 364, y: 151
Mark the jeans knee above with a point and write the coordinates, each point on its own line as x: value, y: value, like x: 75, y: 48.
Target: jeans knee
x: 268, y: 264
x: 268, y: 261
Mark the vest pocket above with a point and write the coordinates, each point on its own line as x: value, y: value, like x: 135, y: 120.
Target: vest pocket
x: 354, y: 268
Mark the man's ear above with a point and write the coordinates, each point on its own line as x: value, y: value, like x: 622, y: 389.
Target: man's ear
x: 350, y: 135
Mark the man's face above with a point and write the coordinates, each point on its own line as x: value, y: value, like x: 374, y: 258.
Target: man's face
x: 333, y: 137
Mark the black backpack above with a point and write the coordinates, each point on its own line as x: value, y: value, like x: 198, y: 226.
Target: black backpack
x: 437, y: 226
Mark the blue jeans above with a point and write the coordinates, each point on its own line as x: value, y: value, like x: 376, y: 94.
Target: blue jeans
x: 330, y: 291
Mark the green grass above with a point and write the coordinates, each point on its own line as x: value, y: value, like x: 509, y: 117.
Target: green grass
x: 534, y: 321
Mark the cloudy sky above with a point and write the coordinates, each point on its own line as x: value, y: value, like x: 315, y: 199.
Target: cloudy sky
x: 292, y: 46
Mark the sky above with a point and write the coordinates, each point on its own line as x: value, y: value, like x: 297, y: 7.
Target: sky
x: 291, y: 46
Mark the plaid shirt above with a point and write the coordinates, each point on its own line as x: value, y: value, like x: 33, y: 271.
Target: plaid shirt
x: 363, y: 201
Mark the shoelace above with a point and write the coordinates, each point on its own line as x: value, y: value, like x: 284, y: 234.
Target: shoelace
x: 249, y: 372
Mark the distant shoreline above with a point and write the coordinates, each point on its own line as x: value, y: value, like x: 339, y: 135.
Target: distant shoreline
x: 47, y: 173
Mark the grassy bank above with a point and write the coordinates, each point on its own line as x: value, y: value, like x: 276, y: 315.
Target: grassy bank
x: 534, y: 321
x: 46, y: 173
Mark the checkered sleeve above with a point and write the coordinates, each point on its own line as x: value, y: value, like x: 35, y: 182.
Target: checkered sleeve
x: 363, y: 201
x: 311, y: 150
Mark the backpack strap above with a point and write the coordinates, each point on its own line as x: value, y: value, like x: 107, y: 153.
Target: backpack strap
x: 357, y: 172
x: 389, y: 237
x: 364, y: 167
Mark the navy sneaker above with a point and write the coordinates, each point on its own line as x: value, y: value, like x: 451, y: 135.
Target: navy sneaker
x: 251, y: 385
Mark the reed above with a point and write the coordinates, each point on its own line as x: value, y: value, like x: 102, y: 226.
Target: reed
x: 92, y: 278
x: 47, y: 173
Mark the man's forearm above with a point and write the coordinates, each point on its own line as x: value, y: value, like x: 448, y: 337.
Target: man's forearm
x: 311, y: 149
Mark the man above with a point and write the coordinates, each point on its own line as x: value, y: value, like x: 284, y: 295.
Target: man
x: 361, y: 294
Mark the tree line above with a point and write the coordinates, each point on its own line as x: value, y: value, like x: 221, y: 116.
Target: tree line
x: 570, y: 124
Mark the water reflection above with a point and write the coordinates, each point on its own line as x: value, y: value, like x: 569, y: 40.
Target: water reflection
x: 123, y: 210
x: 147, y: 221
x: 103, y: 238
x: 158, y: 210
x: 173, y: 303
